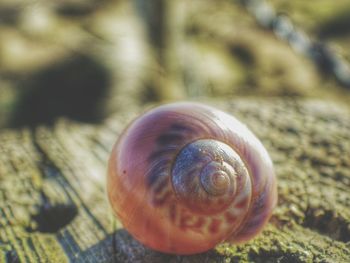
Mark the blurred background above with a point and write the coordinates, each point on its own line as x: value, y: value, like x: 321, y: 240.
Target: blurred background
x: 86, y: 59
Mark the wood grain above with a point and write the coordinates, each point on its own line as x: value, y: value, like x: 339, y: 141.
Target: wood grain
x: 53, y: 205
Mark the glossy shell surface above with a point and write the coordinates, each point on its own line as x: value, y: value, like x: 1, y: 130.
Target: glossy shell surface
x: 184, y: 177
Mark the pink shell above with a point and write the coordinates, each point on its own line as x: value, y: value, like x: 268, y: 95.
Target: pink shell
x: 141, y: 190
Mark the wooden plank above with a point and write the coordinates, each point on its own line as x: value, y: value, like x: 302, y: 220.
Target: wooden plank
x: 53, y: 205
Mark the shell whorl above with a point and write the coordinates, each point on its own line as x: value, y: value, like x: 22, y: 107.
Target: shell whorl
x: 195, y: 175
x: 206, y: 174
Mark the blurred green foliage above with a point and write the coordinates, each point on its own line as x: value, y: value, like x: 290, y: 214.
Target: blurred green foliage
x: 86, y: 59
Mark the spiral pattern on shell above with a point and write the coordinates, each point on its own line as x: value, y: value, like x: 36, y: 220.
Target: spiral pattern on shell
x: 184, y: 177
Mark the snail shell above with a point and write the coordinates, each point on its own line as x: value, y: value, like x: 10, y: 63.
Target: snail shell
x: 185, y: 176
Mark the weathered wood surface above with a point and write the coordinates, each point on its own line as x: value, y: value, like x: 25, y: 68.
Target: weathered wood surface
x: 53, y: 205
